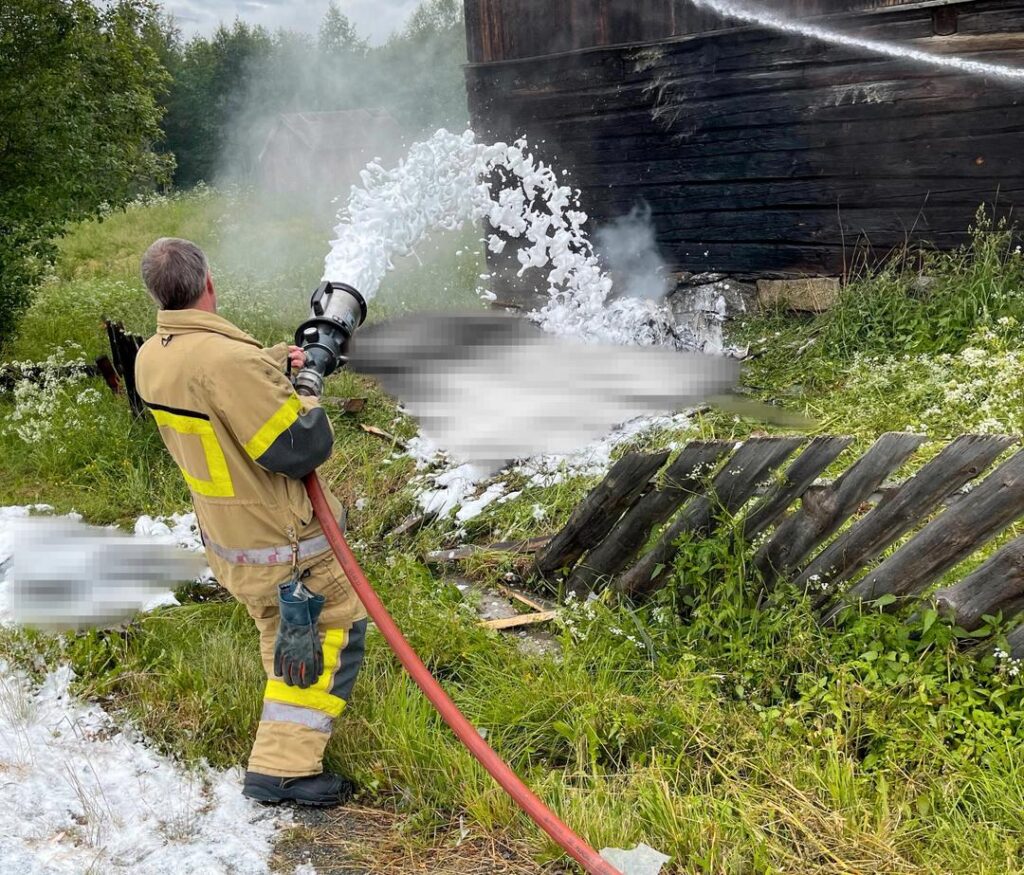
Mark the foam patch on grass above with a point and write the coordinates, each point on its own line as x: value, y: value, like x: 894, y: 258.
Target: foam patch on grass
x: 83, y: 795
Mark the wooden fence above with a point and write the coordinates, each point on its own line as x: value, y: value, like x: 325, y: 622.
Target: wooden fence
x: 626, y: 532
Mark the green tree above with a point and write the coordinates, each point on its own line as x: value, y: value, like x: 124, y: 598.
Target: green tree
x: 338, y: 35
x: 79, y: 124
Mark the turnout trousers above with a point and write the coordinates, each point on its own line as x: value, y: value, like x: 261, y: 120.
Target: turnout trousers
x: 296, y: 723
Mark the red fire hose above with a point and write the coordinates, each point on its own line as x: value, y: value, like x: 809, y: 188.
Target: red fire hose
x: 578, y: 849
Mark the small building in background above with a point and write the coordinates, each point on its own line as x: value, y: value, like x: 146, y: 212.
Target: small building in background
x: 324, y: 151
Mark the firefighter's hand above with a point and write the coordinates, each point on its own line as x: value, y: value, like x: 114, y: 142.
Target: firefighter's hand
x: 298, y: 656
x: 297, y: 357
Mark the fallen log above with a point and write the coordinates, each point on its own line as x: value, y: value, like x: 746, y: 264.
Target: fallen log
x: 732, y: 487
x: 1015, y: 642
x: 681, y: 481
x: 594, y: 517
x: 960, y: 462
x: 820, y: 453
x: 974, y: 520
x: 824, y: 509
x: 997, y: 585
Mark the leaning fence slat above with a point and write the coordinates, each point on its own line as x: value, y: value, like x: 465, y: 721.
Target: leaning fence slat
x: 963, y: 460
x: 732, y: 487
x: 997, y: 585
x: 600, y: 510
x: 630, y: 533
x: 824, y: 510
x: 984, y: 512
x: 820, y: 453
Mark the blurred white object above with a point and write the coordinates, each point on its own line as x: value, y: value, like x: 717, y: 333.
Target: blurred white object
x: 642, y: 860
x: 65, y: 575
x: 489, y: 388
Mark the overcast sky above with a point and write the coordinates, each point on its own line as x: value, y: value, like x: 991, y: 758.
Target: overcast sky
x: 374, y: 19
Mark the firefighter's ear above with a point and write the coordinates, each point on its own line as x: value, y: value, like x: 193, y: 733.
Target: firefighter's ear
x: 210, y: 290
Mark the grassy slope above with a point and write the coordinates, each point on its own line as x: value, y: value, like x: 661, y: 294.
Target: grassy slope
x: 737, y: 739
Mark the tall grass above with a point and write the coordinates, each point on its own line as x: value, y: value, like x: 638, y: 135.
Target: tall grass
x: 735, y: 735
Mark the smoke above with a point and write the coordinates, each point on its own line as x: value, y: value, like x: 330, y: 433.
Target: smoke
x: 628, y: 248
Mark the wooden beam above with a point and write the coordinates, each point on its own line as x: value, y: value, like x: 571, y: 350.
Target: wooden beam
x: 823, y: 510
x: 595, y: 516
x: 974, y: 520
x: 820, y: 453
x: 998, y: 585
x: 681, y: 481
x: 964, y: 459
x: 732, y: 487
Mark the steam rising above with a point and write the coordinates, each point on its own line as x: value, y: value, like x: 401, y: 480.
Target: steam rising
x: 628, y: 247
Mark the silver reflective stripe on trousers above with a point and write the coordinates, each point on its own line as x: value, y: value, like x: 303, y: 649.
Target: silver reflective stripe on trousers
x: 283, y: 713
x: 272, y: 555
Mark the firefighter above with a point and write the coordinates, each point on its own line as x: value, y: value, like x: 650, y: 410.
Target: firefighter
x: 243, y: 439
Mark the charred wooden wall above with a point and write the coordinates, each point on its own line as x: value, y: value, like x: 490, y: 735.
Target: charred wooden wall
x: 503, y: 30
x: 771, y: 154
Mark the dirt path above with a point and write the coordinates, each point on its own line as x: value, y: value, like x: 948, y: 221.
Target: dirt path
x: 368, y: 841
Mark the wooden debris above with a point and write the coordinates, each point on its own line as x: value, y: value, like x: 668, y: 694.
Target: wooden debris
x: 124, y: 348
x: 598, y: 512
x: 998, y: 585
x: 412, y: 523
x: 384, y: 435
x: 824, y: 510
x: 753, y: 462
x: 519, y: 620
x: 530, y: 545
x: 524, y: 598
x: 984, y: 512
x: 963, y: 460
x: 345, y: 405
x: 681, y: 481
x: 820, y: 453
x: 106, y: 369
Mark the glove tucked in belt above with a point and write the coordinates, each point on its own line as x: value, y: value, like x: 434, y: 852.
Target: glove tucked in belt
x: 298, y: 656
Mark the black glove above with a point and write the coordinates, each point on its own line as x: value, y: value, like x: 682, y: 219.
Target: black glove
x: 298, y: 656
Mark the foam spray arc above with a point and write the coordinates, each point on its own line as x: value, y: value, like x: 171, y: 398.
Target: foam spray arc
x: 766, y: 18
x: 442, y: 184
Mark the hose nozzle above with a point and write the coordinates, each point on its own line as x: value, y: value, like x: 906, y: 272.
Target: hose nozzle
x: 336, y: 311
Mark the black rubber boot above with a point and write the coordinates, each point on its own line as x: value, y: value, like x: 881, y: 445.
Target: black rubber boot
x: 321, y: 791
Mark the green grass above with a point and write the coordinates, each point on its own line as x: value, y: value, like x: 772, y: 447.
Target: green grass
x: 736, y: 736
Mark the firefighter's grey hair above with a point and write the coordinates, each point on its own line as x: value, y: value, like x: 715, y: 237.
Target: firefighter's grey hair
x: 175, y: 271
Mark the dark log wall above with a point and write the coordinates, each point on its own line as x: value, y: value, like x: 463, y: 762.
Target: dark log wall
x: 503, y: 30
x: 764, y: 153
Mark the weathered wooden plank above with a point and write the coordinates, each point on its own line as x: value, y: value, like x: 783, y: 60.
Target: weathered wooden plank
x: 752, y: 464
x: 598, y: 512
x: 996, y: 585
x: 963, y: 460
x: 1015, y: 642
x: 825, y: 509
x: 821, y: 453
x: 519, y: 620
x: 985, y: 511
x: 681, y: 479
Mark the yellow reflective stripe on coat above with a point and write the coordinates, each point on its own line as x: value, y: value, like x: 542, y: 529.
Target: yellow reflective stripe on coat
x: 316, y: 696
x: 219, y: 485
x: 274, y: 427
